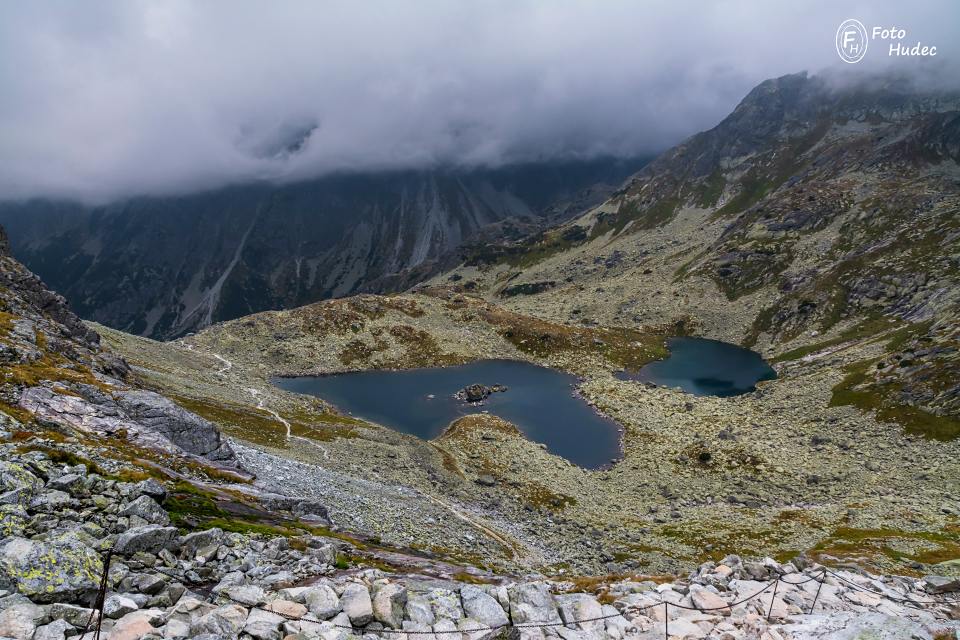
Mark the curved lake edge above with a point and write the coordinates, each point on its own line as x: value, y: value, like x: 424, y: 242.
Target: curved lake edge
x: 704, y: 367
x: 572, y: 390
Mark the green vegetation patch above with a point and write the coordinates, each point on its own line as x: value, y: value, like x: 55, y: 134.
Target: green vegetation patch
x: 260, y: 427
x: 642, y: 216
x: 900, y: 546
x: 625, y: 348
x: 866, y: 329
x: 855, y: 390
x: 708, y: 192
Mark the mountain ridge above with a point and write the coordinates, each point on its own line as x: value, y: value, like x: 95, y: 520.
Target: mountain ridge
x: 167, y: 266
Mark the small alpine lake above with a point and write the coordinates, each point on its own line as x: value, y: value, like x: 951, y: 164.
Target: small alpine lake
x: 706, y: 368
x: 541, y: 402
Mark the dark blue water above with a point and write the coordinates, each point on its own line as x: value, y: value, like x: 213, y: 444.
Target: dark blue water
x: 539, y: 401
x: 706, y: 368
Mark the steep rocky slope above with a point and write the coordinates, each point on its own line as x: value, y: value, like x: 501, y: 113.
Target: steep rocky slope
x: 57, y: 377
x: 166, y: 266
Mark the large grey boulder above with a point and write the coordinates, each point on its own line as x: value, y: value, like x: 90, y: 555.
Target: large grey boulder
x: 188, y: 431
x: 77, y: 616
x: 61, y: 570
x: 446, y: 604
x: 191, y: 543
x: 56, y: 630
x: 149, y: 539
x: 389, y: 603
x: 357, y: 604
x: 419, y: 610
x: 147, y: 508
x: 13, y: 520
x: 152, y: 488
x: 227, y: 621
x: 532, y: 602
x: 248, y: 594
x: 482, y: 607
x: 14, y: 475
x: 322, y: 601
x: 941, y: 584
x: 117, y: 606
x: 263, y: 625
x: 576, y: 609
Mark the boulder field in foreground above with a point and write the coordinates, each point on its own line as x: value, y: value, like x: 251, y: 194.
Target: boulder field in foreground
x: 58, y: 519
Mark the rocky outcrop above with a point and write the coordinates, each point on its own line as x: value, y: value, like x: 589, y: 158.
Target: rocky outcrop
x: 478, y: 392
x: 58, y: 373
x: 143, y: 416
x: 285, y: 246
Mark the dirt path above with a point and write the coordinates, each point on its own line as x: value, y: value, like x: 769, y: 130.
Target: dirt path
x: 519, y: 552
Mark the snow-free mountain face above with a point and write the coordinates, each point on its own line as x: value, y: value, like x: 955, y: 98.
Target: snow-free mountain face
x: 165, y: 266
x: 814, y: 214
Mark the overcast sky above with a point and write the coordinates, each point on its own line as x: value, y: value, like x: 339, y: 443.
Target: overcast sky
x: 100, y: 100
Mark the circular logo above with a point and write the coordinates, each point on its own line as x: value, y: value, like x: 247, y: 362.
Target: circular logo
x: 851, y: 41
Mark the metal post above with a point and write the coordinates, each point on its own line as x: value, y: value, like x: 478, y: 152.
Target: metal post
x: 776, y: 585
x: 102, y: 593
x: 823, y: 577
x: 666, y: 620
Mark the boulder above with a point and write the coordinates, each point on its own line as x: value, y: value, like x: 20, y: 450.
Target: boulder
x: 188, y: 431
x: 389, y: 603
x: 286, y: 608
x: 147, y: 508
x: 77, y: 616
x: 263, y: 625
x: 69, y: 482
x: 56, y: 630
x: 473, y: 630
x: 322, y: 602
x: 356, y: 603
x: 248, y: 594
x: 227, y: 620
x: 708, y: 601
x: 941, y: 584
x: 446, y: 604
x: 20, y: 621
x: 149, y: 539
x: 51, y: 501
x: 63, y: 570
x: 133, y: 626
x: 482, y: 607
x: 419, y: 610
x: 532, y: 602
x: 117, y: 606
x: 14, y: 475
x: 191, y: 543
x: 578, y: 610
x: 152, y: 488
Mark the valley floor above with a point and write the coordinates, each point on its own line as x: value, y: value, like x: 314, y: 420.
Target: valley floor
x: 787, y: 473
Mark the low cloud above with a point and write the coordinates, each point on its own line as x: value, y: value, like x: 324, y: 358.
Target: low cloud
x: 102, y: 100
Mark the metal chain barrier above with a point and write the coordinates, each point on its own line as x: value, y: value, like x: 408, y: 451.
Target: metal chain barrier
x: 820, y: 576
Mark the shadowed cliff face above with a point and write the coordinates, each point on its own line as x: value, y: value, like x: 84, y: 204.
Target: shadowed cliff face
x: 56, y: 376
x: 166, y: 266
